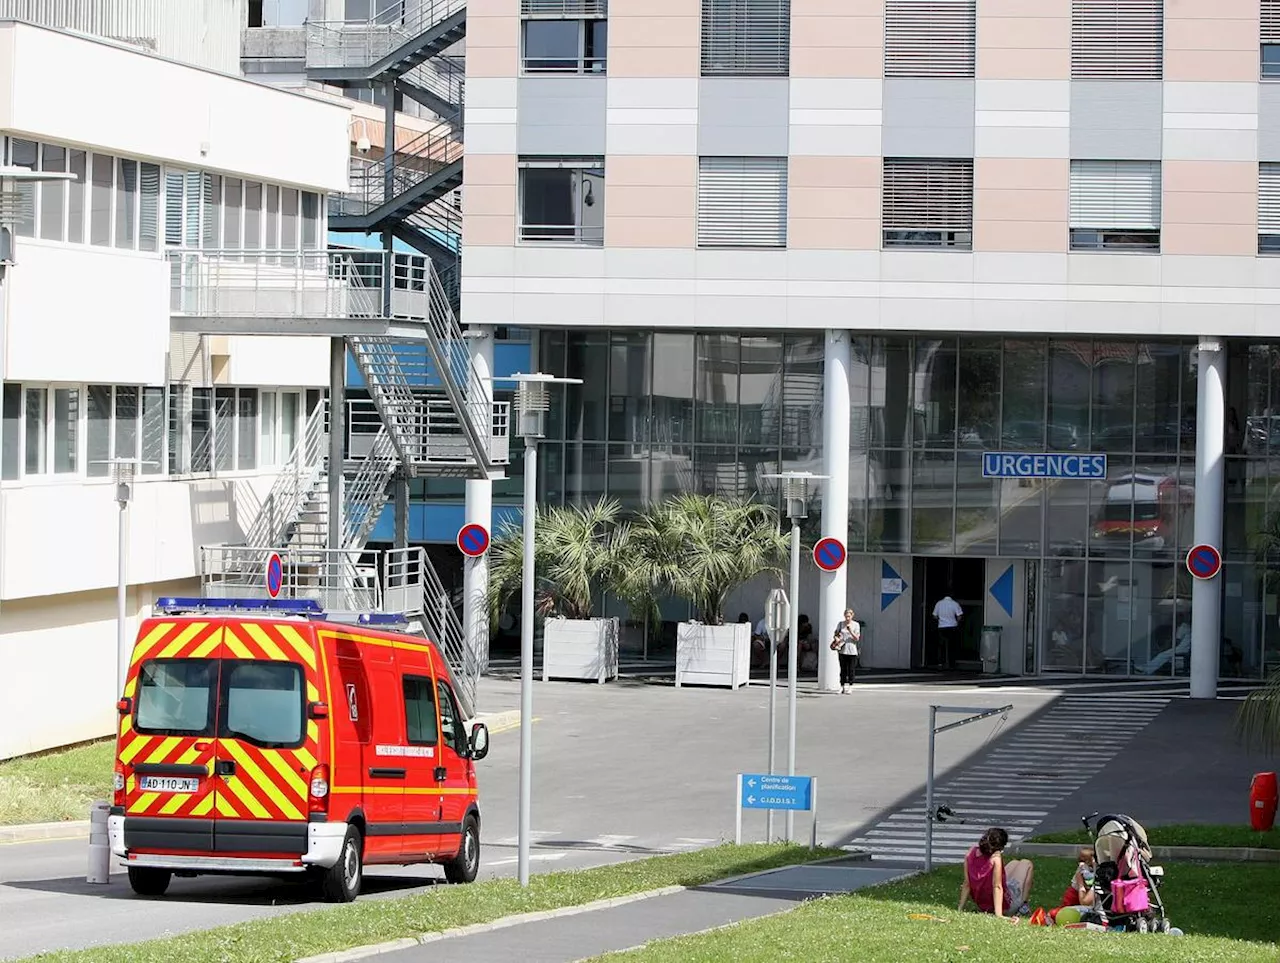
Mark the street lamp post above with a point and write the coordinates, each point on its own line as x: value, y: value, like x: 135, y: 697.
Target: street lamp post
x: 533, y: 401
x: 795, y: 491
x: 122, y: 473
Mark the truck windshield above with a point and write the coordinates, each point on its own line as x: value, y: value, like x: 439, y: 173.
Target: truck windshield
x: 258, y: 701
x: 175, y: 697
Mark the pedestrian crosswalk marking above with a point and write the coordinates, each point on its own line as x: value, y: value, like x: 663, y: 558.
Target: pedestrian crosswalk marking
x: 1015, y: 783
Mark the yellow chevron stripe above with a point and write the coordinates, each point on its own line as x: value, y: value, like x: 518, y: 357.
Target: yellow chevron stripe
x: 300, y: 645
x: 261, y: 780
x: 268, y: 644
x: 130, y: 687
x: 133, y: 748
x: 232, y: 642
x: 313, y: 731
x: 247, y: 797
x: 208, y: 645
x: 166, y: 746
x: 203, y: 806
x: 224, y: 806
x: 313, y: 694
x: 287, y: 772
x: 184, y: 637
x: 190, y: 756
x: 143, y: 803
x: 305, y: 759
x: 176, y: 802
x: 130, y: 784
x: 144, y: 644
x: 126, y: 725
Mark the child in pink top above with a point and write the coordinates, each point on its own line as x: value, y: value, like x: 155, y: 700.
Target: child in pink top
x: 994, y: 887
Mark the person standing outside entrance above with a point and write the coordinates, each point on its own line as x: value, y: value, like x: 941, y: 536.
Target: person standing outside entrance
x: 947, y: 613
x: 845, y: 643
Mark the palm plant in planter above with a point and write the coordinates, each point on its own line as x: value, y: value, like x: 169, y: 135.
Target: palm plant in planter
x: 700, y: 548
x: 1258, y: 721
x: 577, y: 551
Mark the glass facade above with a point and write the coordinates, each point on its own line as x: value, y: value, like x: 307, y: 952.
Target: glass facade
x: 662, y: 412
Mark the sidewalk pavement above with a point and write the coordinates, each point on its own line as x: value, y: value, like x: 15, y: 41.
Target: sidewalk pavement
x: 573, y: 935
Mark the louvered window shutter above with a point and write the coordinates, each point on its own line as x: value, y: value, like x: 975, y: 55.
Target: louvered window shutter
x: 564, y: 9
x: 746, y: 37
x: 932, y: 194
x: 1117, y: 39
x: 929, y: 38
x: 1115, y: 195
x: 1269, y: 199
x: 1271, y: 21
x: 742, y: 202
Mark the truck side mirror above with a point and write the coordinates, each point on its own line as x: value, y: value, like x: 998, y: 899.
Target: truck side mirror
x: 479, y: 741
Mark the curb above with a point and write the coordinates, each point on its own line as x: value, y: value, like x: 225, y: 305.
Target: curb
x: 1219, y: 854
x: 374, y: 949
x: 33, y: 832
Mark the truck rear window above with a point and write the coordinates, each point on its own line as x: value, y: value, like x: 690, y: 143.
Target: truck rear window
x: 258, y: 701
x: 175, y: 697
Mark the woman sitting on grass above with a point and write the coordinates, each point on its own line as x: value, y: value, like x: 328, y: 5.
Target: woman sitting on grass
x: 993, y: 886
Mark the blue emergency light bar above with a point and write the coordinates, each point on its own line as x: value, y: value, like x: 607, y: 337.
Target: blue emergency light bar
x: 310, y: 608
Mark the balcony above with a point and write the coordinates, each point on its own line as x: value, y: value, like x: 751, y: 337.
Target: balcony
x: 311, y: 293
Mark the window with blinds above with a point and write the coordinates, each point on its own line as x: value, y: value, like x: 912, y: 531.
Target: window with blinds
x: 928, y: 202
x: 1117, y: 39
x: 929, y: 38
x: 742, y: 202
x: 1269, y: 208
x: 1115, y: 205
x: 1270, y: 39
x: 564, y: 36
x: 746, y: 38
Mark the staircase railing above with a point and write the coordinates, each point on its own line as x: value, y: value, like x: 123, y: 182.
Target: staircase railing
x: 411, y: 164
x: 364, y: 495
x: 333, y: 577
x: 298, y: 478
x: 410, y: 585
x: 362, y: 43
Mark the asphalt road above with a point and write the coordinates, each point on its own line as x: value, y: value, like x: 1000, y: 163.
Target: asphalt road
x: 621, y: 770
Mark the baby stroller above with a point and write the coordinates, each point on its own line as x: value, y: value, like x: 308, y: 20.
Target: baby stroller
x: 1126, y: 886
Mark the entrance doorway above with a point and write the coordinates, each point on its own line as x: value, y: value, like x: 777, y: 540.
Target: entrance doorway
x: 964, y: 579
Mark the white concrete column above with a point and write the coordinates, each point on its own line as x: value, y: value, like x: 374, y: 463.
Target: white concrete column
x: 479, y: 510
x: 1206, y: 596
x: 835, y: 498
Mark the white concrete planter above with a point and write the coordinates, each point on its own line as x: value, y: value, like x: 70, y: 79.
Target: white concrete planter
x: 717, y: 655
x: 580, y: 649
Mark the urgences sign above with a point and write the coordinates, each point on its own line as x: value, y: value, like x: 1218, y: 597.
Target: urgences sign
x: 1012, y: 464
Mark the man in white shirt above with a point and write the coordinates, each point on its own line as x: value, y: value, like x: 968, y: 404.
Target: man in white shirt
x: 947, y: 613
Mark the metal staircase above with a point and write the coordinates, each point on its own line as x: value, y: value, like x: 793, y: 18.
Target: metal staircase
x: 394, y: 47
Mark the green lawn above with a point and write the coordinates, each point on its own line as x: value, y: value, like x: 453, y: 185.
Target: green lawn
x: 1223, y: 906
x: 1182, y: 835
x: 374, y: 921
x: 55, y: 786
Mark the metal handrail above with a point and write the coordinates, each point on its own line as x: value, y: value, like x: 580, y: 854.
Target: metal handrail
x: 365, y: 495
x: 434, y: 606
x: 402, y: 170
x: 295, y: 484
x: 362, y: 43
x: 334, y: 577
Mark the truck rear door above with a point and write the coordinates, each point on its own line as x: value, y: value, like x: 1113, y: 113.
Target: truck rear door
x: 266, y: 746
x: 167, y: 742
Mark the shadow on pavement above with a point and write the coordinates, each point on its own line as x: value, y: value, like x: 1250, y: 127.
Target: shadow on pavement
x: 212, y: 890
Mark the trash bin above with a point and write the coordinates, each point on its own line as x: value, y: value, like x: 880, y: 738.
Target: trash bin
x: 989, y: 651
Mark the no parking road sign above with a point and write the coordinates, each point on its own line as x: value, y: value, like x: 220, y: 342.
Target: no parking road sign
x: 473, y: 540
x: 1204, y: 561
x: 829, y: 554
x: 274, y: 575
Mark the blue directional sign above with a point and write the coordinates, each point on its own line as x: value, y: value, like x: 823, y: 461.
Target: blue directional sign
x: 892, y: 585
x: 1002, y: 591
x: 1017, y: 464
x: 760, y: 791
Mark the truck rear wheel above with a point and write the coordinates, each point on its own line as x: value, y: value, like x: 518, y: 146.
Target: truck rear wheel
x: 341, y: 881
x: 464, y: 867
x: 148, y: 881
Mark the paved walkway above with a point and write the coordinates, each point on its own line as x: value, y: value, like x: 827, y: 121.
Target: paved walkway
x: 568, y: 939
